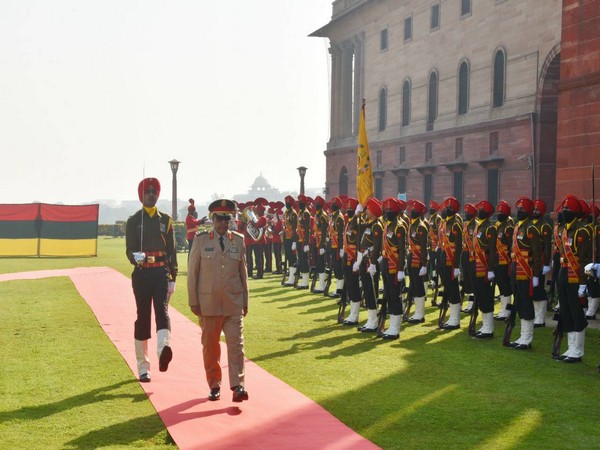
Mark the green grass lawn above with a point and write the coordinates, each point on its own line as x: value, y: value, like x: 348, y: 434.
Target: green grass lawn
x: 428, y: 390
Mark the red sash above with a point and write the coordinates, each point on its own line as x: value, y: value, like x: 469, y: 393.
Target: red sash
x: 570, y: 261
x: 415, y: 251
x: 390, y: 253
x: 468, y: 241
x: 524, y: 270
x: 481, y: 259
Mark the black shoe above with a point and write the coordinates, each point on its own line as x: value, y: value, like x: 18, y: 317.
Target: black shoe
x: 539, y: 325
x: 522, y: 346
x: 317, y: 291
x: 416, y: 320
x: 165, y: 358
x: 301, y: 287
x: 215, y: 394
x: 466, y: 310
x: 450, y: 327
x: 239, y: 394
x: 335, y: 295
x: 366, y: 330
x: 145, y: 378
x: 572, y: 359
x: 591, y: 317
x: 480, y: 335
x: 559, y: 357
x: 500, y: 318
x: 512, y: 344
x: 390, y: 337
x: 349, y: 323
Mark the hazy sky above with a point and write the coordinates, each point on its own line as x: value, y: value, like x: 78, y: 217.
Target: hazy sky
x: 94, y: 93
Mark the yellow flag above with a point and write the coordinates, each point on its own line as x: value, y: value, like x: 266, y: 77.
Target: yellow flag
x: 364, y: 169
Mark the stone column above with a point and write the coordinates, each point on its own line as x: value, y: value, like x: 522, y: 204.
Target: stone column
x: 334, y: 125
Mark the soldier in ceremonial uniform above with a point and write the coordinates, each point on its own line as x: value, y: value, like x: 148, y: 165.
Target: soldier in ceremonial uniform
x: 218, y: 295
x: 260, y: 245
x: 192, y: 223
x: 337, y: 224
x: 320, y: 226
x: 277, y: 231
x: 392, y: 264
x: 593, y: 283
x: 351, y: 240
x: 467, y: 263
x: 540, y: 297
x: 366, y: 265
x: 484, y: 248
x: 290, y: 238
x: 432, y: 247
x: 417, y: 258
x: 526, y: 255
x: 505, y: 227
x: 150, y: 247
x: 303, y: 240
x: 575, y: 259
x: 452, y: 248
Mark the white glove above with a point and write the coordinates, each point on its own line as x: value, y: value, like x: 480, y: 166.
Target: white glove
x: 456, y: 272
x: 359, y: 209
x: 400, y: 275
x: 379, y: 260
x: 321, y: 251
x: 341, y: 252
x: 535, y: 281
x: 591, y: 269
x: 359, y: 257
x: 355, y: 267
x: 372, y: 269
x: 423, y: 271
x: 491, y: 275
x: 171, y: 287
x: 293, y: 246
x: 545, y: 270
x: 581, y: 291
x: 306, y: 249
x: 139, y: 257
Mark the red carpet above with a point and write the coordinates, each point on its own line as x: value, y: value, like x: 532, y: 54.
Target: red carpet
x: 275, y: 417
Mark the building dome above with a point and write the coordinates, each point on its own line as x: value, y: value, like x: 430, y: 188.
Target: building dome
x: 260, y: 183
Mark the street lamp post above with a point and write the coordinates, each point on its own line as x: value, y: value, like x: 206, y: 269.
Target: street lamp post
x: 302, y: 172
x: 174, y: 166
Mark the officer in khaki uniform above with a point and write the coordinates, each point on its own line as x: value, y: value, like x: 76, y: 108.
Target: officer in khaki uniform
x: 218, y: 295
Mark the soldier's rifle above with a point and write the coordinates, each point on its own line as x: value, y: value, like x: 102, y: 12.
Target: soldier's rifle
x: 474, y: 314
x: 382, y: 303
x: 409, y: 302
x: 510, y: 322
x: 343, y: 301
x: 558, y: 336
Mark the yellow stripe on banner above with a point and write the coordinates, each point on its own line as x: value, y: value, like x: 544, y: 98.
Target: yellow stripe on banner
x: 18, y: 247
x: 364, y: 169
x: 68, y: 247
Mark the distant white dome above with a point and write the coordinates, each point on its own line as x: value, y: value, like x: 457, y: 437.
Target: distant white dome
x: 260, y: 183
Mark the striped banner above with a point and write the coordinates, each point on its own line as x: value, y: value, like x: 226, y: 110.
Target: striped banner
x: 41, y: 229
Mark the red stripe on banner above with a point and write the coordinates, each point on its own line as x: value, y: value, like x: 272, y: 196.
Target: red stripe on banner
x: 20, y: 212
x: 69, y: 213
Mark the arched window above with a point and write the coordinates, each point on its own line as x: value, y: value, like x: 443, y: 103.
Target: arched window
x: 463, y: 88
x: 382, y: 108
x: 432, y: 100
x: 343, y: 182
x: 499, y: 72
x: 406, y: 103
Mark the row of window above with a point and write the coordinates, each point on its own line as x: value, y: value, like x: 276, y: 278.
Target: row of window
x: 498, y: 89
x: 493, y: 180
x: 434, y: 23
x: 458, y: 150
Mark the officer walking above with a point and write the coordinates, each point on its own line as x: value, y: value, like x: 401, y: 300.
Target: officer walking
x: 218, y: 295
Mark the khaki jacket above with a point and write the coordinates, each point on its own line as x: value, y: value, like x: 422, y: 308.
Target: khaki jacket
x: 218, y: 280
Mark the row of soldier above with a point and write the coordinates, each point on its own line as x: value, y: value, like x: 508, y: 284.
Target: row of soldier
x: 410, y: 248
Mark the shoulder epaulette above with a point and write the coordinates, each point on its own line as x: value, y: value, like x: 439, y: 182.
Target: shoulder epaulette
x: 201, y: 232
x: 235, y: 233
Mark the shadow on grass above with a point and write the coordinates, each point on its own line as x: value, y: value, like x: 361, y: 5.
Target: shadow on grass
x: 44, y: 410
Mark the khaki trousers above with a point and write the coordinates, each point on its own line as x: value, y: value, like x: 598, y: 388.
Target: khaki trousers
x: 233, y: 328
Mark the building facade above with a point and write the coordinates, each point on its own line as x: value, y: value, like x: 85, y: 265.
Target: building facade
x: 461, y: 97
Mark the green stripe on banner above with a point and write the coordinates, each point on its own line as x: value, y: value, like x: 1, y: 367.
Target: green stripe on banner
x: 70, y: 230
x: 18, y: 229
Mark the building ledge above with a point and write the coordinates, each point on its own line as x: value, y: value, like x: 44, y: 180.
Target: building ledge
x: 491, y: 162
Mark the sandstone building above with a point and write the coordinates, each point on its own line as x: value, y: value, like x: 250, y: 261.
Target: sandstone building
x: 462, y: 96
